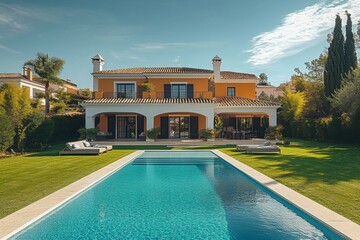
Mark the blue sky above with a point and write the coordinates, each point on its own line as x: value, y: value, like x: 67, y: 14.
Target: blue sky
x: 250, y: 36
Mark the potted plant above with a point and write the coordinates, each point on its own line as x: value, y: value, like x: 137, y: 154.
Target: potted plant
x: 152, y: 134
x: 146, y: 89
x: 207, y: 134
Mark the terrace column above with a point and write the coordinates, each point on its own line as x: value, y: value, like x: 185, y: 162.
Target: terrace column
x: 210, y: 121
x: 89, y: 122
x: 149, y: 124
x: 272, y: 120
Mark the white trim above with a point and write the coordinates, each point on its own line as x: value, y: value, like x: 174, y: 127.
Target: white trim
x: 124, y: 82
x: 178, y: 83
x: 237, y: 81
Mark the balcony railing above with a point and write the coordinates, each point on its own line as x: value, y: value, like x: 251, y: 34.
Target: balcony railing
x: 159, y: 95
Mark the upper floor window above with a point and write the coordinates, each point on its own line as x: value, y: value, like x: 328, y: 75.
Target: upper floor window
x: 231, y: 91
x: 125, y: 90
x: 178, y: 90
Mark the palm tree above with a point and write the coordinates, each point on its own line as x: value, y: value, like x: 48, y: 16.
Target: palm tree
x: 48, y: 69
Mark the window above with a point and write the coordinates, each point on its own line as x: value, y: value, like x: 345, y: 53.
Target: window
x: 178, y: 91
x: 125, y: 90
x: 231, y: 91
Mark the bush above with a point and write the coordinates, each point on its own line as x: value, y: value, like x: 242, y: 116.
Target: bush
x: 58, y: 107
x: 272, y: 133
x: 207, y: 133
x: 153, y: 133
x: 66, y: 127
x: 39, y: 129
x: 7, y: 132
x: 88, y: 133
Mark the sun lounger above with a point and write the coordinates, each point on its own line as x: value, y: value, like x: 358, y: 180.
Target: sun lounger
x: 78, y: 148
x: 243, y: 147
x: 263, y: 149
x: 87, y: 144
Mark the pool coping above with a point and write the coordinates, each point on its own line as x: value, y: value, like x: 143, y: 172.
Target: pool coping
x: 17, y: 221
x: 324, y: 215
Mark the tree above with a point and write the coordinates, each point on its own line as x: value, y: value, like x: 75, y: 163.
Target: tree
x: 358, y: 35
x: 16, y: 103
x: 263, y: 79
x: 7, y: 132
x: 86, y: 92
x: 347, y: 99
x: 48, y: 69
x: 316, y: 69
x: 350, y: 62
x: 334, y: 67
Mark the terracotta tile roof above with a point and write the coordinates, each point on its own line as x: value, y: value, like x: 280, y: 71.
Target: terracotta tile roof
x: 155, y: 70
x: 236, y: 75
x: 148, y: 101
x: 11, y: 75
x: 240, y: 101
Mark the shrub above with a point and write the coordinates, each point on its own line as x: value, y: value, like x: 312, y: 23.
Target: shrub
x: 58, y: 107
x: 88, y: 133
x: 153, y: 133
x: 66, y: 126
x: 207, y: 133
x: 7, y: 132
x: 272, y: 133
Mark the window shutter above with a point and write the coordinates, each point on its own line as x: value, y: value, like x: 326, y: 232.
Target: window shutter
x: 194, y: 127
x: 190, y: 91
x: 167, y: 90
x: 164, y: 127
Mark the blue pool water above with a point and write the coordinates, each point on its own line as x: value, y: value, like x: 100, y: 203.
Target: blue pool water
x: 176, y: 195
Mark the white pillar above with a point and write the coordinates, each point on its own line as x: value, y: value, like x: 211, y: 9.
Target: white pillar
x: 272, y: 120
x: 149, y: 125
x: 31, y: 92
x: 89, y: 122
x: 210, y: 121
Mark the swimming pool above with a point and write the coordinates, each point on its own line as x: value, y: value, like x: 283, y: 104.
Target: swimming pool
x: 177, y: 195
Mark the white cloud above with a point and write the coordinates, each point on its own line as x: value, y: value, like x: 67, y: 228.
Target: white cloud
x: 7, y: 49
x: 299, y: 29
x: 177, y: 61
x: 148, y: 47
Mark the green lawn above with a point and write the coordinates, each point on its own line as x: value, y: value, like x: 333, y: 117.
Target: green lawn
x: 25, y: 179
x: 328, y: 174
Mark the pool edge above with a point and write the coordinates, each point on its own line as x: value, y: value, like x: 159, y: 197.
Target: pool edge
x: 17, y: 221
x: 324, y: 215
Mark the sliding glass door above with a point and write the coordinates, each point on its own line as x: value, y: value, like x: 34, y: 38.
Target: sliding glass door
x: 126, y: 126
x: 179, y: 127
x: 125, y: 90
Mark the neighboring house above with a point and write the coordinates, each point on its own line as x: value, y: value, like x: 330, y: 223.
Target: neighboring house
x: 67, y: 85
x: 24, y: 80
x: 182, y: 102
x: 269, y: 90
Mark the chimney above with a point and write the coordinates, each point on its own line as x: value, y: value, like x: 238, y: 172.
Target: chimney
x: 216, y: 61
x: 97, y: 62
x: 27, y: 73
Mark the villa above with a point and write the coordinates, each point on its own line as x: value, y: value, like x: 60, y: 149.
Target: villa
x: 180, y: 101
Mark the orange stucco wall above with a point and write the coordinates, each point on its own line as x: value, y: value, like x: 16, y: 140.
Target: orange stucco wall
x: 200, y: 84
x: 103, y: 123
x: 246, y: 90
x: 202, y: 119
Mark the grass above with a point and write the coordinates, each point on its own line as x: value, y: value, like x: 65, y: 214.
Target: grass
x: 25, y: 179
x: 328, y: 174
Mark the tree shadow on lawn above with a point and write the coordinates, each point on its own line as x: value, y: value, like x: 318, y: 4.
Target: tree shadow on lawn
x: 54, y: 151
x: 321, y: 163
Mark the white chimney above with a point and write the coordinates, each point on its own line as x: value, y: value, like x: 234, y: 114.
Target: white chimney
x: 97, y: 62
x: 216, y: 61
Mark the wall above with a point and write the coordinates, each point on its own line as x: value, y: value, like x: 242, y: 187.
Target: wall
x: 246, y: 90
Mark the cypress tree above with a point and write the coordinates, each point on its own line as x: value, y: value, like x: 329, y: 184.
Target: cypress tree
x: 334, y: 67
x: 349, y: 47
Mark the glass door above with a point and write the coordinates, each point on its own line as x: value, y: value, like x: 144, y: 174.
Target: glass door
x: 179, y: 127
x: 125, y: 90
x: 126, y: 126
